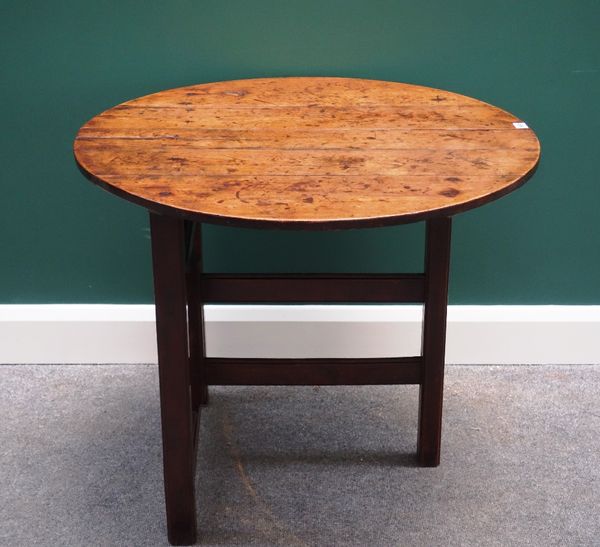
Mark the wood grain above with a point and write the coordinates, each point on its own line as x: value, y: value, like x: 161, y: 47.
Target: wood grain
x: 307, y: 152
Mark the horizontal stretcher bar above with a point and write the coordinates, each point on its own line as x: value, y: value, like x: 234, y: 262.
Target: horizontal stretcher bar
x: 313, y: 288
x: 310, y: 372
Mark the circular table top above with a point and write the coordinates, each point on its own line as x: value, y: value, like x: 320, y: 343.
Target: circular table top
x: 307, y: 152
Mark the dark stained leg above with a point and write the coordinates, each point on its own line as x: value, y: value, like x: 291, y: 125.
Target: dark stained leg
x: 196, y: 315
x: 168, y: 259
x: 437, y: 262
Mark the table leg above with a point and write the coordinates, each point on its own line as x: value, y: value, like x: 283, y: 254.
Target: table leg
x: 437, y: 263
x: 196, y: 315
x: 168, y: 259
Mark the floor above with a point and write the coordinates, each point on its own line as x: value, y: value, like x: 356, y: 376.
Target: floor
x: 81, y: 461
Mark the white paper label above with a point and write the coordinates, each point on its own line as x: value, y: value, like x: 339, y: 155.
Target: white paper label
x: 520, y: 125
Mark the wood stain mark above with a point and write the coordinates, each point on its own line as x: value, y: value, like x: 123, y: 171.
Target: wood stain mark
x: 297, y: 187
x: 346, y: 163
x: 228, y: 184
x: 240, y: 198
x: 449, y: 192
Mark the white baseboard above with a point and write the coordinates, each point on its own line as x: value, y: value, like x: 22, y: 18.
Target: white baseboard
x: 84, y: 333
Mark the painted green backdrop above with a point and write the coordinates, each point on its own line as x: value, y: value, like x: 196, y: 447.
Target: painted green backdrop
x: 64, y: 240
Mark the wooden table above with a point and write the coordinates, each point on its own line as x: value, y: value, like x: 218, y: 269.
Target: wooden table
x: 297, y: 153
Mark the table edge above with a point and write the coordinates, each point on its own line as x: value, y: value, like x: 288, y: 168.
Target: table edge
x: 316, y: 225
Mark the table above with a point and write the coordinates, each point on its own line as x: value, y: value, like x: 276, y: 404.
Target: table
x: 296, y: 153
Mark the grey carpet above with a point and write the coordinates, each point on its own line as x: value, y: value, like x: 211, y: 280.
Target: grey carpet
x: 81, y: 461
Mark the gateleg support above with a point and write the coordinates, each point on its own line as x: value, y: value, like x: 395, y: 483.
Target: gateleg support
x: 195, y: 307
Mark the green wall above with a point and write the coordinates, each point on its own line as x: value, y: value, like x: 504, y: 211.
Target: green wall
x: 61, y: 62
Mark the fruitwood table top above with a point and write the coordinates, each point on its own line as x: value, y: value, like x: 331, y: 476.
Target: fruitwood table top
x: 307, y: 152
